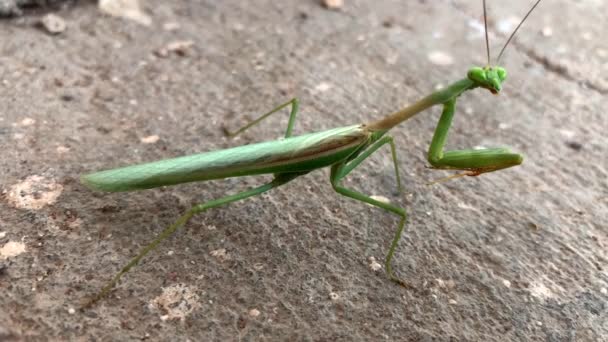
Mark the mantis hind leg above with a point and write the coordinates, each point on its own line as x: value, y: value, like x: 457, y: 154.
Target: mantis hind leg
x: 474, y: 161
x: 339, y: 171
x: 295, y: 104
x: 182, y: 220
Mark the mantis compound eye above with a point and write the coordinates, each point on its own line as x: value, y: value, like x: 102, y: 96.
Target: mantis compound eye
x: 477, y: 75
x: 502, y: 73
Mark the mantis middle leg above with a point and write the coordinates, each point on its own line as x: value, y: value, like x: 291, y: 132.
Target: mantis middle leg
x: 339, y: 171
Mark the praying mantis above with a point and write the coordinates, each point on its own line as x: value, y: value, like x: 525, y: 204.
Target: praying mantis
x: 342, y: 149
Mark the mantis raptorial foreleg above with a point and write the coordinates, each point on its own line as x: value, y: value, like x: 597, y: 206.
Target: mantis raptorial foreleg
x: 295, y: 104
x: 339, y: 171
x: 182, y: 220
x: 475, y: 162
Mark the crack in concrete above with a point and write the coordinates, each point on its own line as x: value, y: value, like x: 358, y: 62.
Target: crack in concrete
x: 559, y: 69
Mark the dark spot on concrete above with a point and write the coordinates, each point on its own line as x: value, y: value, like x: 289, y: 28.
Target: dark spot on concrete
x: 241, y: 323
x: 575, y: 145
x: 67, y: 97
x: 388, y: 22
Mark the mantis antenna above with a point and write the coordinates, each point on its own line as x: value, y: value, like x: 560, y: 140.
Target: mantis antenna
x: 485, y: 23
x: 514, y: 31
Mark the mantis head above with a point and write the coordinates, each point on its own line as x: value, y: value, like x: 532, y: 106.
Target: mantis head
x: 488, y: 77
x: 491, y: 77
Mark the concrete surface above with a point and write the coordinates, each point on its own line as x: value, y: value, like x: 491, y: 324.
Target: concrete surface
x: 517, y: 255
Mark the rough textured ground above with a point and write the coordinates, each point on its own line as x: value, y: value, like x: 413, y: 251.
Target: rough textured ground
x: 514, y: 255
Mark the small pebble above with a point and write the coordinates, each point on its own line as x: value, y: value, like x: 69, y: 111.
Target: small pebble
x: 151, y: 139
x: 27, y: 122
x: 62, y: 149
x: 440, y: 58
x: 323, y: 87
x: 11, y: 249
x: 333, y: 4
x: 567, y: 133
x: 179, y: 47
x: 53, y: 23
x: 373, y: 264
x: 254, y: 312
x: 219, y: 253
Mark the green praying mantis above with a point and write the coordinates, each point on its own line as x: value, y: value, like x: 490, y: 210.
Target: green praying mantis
x: 343, y: 149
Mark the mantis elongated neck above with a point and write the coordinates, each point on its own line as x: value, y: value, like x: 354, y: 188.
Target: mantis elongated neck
x: 438, y: 97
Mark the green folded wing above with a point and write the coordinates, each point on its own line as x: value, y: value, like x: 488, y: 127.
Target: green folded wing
x: 296, y: 154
